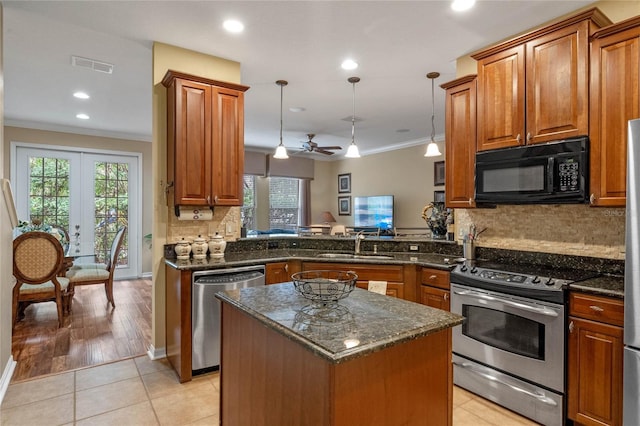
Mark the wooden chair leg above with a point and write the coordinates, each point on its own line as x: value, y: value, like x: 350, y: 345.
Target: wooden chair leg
x: 108, y: 288
x: 59, y: 308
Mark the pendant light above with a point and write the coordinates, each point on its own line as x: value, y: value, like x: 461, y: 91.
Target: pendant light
x: 353, y: 152
x: 432, y: 147
x: 281, y: 151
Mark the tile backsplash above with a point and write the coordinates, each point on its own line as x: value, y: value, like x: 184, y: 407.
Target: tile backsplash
x: 561, y: 229
x: 226, y: 222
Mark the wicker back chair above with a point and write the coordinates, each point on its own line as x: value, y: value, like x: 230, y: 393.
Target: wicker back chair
x: 37, y: 260
x: 99, y: 273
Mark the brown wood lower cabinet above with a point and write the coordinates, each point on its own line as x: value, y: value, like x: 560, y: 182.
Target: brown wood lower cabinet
x: 434, y: 289
x: 395, y: 275
x: 595, y: 353
x: 280, y: 272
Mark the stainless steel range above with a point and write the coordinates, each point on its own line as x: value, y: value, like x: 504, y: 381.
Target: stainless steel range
x: 511, y: 347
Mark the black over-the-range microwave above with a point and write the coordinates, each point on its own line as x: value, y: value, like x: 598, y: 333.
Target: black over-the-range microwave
x: 550, y: 173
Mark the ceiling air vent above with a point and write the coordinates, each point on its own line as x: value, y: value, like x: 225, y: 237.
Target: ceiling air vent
x: 105, y: 67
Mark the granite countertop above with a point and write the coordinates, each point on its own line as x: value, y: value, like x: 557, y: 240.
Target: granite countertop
x: 605, y: 285
x: 362, y: 323
x: 245, y: 258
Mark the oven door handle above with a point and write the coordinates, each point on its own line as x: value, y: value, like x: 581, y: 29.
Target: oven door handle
x: 534, y: 394
x: 519, y: 305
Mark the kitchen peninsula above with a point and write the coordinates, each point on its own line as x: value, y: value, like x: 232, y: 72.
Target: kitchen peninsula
x: 372, y: 359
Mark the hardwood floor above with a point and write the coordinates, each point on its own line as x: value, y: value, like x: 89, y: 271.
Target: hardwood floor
x: 93, y: 333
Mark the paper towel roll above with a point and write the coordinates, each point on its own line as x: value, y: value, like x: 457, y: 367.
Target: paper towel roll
x: 378, y: 287
x: 195, y: 213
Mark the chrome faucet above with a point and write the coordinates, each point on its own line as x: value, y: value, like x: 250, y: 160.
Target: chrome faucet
x: 359, y: 238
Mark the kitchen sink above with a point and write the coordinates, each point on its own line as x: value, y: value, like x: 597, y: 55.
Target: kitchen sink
x: 353, y: 256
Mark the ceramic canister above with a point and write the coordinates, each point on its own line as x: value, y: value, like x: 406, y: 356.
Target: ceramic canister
x: 217, y: 244
x: 199, y: 248
x: 182, y: 249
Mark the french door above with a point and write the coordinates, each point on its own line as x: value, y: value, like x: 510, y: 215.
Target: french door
x: 90, y: 194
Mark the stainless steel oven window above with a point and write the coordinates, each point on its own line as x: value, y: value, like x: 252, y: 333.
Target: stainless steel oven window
x: 503, y: 330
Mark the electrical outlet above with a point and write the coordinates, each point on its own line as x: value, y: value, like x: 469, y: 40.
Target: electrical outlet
x: 413, y: 247
x: 230, y: 228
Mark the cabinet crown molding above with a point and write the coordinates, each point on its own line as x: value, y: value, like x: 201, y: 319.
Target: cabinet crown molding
x: 594, y: 14
x: 171, y: 75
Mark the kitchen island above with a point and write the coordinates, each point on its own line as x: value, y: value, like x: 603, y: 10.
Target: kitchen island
x: 372, y: 359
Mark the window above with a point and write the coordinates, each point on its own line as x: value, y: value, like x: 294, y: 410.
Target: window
x: 284, y: 203
x: 248, y: 211
x: 49, y: 191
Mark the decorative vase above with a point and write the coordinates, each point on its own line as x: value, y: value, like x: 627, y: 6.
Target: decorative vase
x: 199, y: 248
x: 217, y: 244
x: 183, y: 249
x: 436, y: 216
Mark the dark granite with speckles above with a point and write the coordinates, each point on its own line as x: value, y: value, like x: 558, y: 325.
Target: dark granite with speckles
x: 363, y: 323
x: 437, y: 254
x: 605, y: 285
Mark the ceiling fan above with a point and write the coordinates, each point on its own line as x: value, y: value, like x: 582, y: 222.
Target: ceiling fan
x: 311, y: 146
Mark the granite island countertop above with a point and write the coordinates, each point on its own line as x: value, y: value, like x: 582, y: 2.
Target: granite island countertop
x: 360, y: 324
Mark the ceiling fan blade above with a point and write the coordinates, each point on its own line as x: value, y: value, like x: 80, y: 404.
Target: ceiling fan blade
x: 322, y: 151
x: 329, y: 147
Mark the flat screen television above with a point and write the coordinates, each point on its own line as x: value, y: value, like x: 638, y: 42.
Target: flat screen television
x: 373, y: 211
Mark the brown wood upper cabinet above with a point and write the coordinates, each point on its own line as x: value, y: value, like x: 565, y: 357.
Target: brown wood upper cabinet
x: 460, y: 152
x: 615, y: 99
x: 205, y: 140
x: 535, y: 88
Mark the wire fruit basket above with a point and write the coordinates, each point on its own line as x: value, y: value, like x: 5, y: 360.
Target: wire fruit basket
x: 323, y: 286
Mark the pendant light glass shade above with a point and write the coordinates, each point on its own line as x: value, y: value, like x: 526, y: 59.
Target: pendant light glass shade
x: 281, y: 151
x: 432, y: 147
x: 352, y: 151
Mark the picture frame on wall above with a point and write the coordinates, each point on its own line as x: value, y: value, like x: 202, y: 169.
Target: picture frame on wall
x: 438, y: 173
x: 344, y: 205
x: 438, y: 196
x: 344, y: 183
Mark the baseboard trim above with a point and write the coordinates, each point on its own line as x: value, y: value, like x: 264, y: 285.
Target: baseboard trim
x: 147, y: 275
x: 156, y: 353
x: 7, y: 373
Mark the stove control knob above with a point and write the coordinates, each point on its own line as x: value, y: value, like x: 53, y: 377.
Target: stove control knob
x: 474, y: 270
x: 463, y: 268
x: 536, y: 279
x: 549, y: 282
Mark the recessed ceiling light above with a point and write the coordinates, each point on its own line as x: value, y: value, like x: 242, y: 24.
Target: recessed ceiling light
x: 462, y: 5
x: 233, y: 26
x: 81, y: 95
x: 349, y: 64
x: 297, y: 109
x: 82, y: 116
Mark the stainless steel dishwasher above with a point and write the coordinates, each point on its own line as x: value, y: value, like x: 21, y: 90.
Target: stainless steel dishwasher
x: 205, y: 310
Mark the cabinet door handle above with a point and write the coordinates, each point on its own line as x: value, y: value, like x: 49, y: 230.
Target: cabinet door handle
x: 215, y: 199
x: 596, y: 308
x: 592, y: 199
x: 208, y: 200
x: 286, y: 267
x: 571, y: 327
x: 519, y: 138
x: 529, y: 137
x: 446, y: 296
x: 432, y: 277
x: 470, y: 201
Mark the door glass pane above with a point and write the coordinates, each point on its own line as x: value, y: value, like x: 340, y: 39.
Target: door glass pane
x: 502, y: 330
x: 49, y: 191
x: 111, y: 197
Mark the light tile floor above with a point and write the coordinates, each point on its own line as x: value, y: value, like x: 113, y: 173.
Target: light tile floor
x: 139, y: 391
